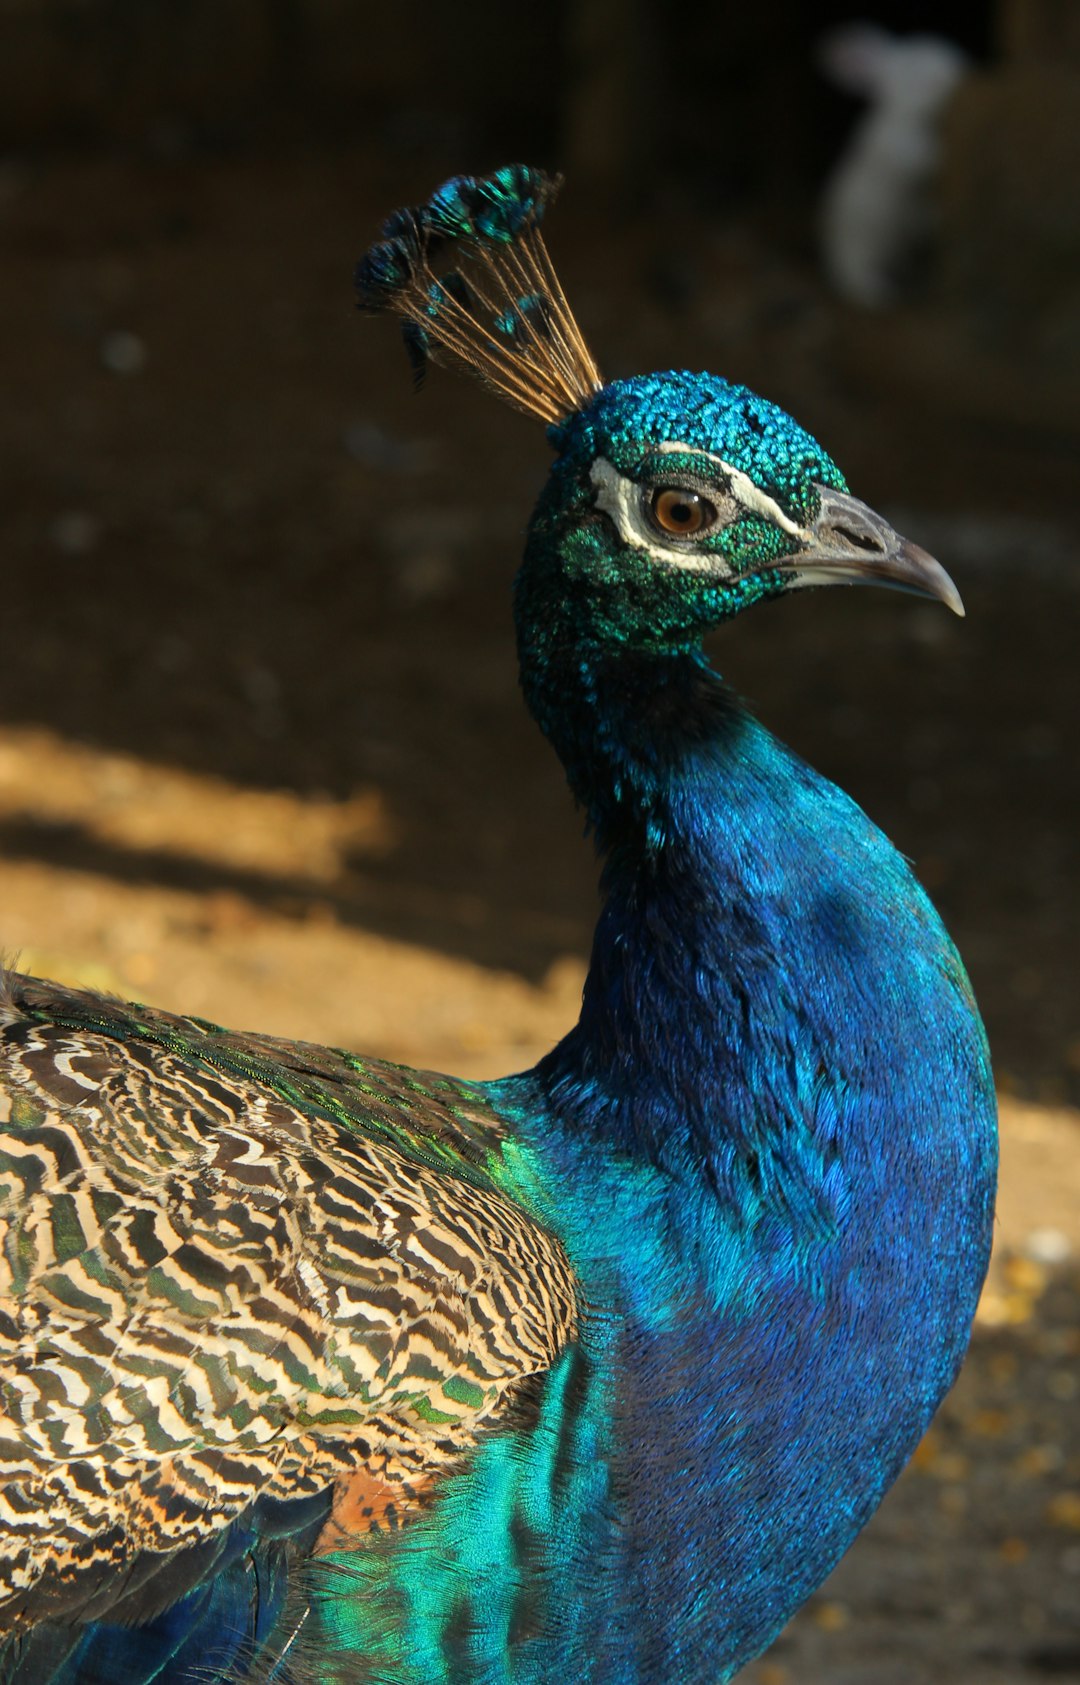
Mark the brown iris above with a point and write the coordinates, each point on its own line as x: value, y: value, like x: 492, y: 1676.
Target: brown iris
x: 680, y: 512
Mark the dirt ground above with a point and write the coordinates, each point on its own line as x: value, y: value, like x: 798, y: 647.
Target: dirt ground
x: 262, y: 755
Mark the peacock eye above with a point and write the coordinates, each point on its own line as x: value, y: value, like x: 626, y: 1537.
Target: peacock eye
x: 680, y: 512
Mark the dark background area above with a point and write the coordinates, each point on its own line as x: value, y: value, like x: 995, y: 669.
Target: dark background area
x: 239, y: 552
x: 222, y: 501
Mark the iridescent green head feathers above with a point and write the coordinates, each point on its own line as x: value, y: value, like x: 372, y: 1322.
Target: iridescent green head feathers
x: 471, y: 276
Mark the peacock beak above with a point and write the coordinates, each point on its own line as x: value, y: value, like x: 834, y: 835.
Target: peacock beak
x: 849, y: 544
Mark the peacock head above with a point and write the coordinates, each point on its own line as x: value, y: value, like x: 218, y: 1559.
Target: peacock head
x: 675, y: 499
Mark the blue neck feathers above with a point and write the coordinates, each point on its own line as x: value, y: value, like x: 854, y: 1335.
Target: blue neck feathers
x: 763, y: 953
x: 777, y: 1117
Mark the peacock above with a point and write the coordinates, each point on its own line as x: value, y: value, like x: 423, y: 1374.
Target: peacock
x: 319, y: 1368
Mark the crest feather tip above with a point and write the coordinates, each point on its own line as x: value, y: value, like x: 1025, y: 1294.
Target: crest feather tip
x: 498, y: 309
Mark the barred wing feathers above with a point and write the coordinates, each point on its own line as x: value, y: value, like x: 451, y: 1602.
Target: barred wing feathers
x: 234, y: 1269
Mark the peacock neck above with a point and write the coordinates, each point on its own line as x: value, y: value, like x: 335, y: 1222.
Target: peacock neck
x: 775, y: 1114
x: 773, y: 1117
x: 684, y: 790
x: 754, y: 923
x: 623, y: 722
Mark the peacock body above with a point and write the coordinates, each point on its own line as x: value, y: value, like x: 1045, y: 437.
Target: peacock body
x: 316, y: 1367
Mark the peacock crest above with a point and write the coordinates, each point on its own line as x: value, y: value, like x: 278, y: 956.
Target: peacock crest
x: 470, y: 274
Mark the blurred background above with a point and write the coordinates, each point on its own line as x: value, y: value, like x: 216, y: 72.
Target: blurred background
x: 262, y: 756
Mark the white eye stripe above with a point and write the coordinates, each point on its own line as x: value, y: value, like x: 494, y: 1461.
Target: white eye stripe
x: 621, y: 499
x: 742, y: 487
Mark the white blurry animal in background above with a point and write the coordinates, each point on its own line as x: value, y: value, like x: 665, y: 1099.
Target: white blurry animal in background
x: 877, y: 212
